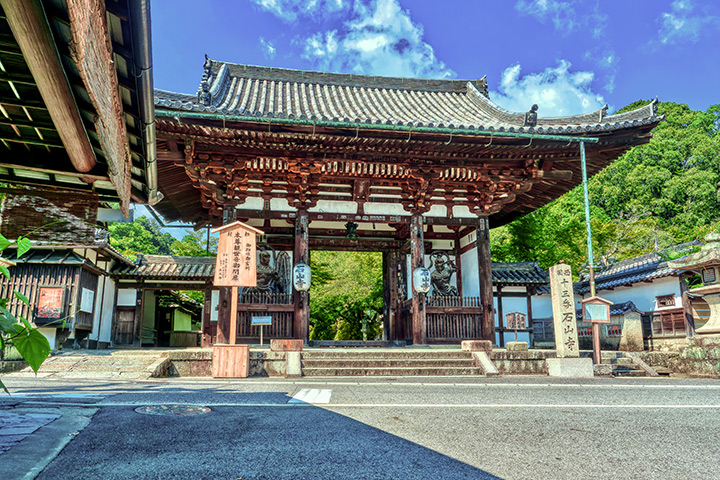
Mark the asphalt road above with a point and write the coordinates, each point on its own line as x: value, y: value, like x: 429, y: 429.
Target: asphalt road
x: 422, y: 428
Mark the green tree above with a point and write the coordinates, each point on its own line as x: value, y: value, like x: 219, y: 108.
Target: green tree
x: 655, y: 195
x: 195, y: 244
x: 143, y: 236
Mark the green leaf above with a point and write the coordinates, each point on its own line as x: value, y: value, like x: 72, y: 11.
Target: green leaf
x: 5, y: 271
x: 32, y: 345
x: 24, y: 245
x: 22, y: 297
x: 4, y: 243
x: 26, y: 323
x: 6, y: 313
x: 4, y: 387
x: 6, y: 324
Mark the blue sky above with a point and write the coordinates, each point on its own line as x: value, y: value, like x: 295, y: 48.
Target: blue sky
x: 567, y: 56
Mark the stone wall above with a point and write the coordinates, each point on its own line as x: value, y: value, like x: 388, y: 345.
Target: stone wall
x: 198, y: 363
x: 698, y: 356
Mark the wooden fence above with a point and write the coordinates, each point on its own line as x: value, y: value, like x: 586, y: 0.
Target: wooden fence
x: 451, y: 319
x: 279, y: 306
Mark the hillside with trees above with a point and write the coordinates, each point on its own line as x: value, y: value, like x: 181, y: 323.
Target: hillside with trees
x: 653, y: 197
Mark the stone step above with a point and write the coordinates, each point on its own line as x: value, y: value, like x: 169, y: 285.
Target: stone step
x: 625, y: 371
x: 619, y: 361
x: 663, y: 371
x: 390, y: 372
x: 385, y: 363
x: 383, y: 354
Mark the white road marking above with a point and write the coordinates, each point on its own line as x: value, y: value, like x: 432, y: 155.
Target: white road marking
x: 312, y: 396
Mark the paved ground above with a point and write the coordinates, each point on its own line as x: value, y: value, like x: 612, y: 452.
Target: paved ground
x: 434, y: 428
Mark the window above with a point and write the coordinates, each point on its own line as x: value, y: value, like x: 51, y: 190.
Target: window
x: 584, y: 331
x: 665, y: 301
x: 708, y: 275
x: 668, y: 322
x: 613, y: 330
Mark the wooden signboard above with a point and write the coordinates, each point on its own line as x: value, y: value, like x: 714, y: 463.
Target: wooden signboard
x: 596, y: 310
x: 235, y: 266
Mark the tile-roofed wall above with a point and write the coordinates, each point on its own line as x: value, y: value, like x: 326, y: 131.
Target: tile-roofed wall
x: 167, y: 267
x: 615, y: 309
x: 518, y: 273
x: 265, y: 92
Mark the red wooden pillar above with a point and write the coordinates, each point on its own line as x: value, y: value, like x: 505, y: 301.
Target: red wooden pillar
x: 301, y: 319
x: 417, y: 246
x: 390, y: 262
x: 485, y: 279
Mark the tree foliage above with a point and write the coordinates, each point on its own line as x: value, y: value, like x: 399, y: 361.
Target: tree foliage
x: 142, y: 236
x: 346, y: 287
x: 654, y: 196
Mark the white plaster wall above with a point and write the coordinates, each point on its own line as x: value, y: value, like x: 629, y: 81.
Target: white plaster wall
x: 127, y: 297
x: 108, y: 311
x: 214, y: 302
x: 542, y: 306
x: 470, y: 280
x: 643, y: 294
x: 50, y: 334
x: 97, y: 311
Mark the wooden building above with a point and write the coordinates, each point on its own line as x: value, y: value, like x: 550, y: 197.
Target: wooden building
x: 412, y: 168
x: 76, y: 115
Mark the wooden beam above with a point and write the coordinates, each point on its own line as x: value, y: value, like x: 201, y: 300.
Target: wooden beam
x: 32, y: 32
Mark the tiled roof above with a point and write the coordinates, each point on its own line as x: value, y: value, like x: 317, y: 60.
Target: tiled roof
x: 262, y: 92
x: 633, y: 270
x: 518, y: 273
x: 168, y: 267
x: 56, y: 257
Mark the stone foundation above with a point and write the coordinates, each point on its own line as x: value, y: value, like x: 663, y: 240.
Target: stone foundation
x: 529, y: 362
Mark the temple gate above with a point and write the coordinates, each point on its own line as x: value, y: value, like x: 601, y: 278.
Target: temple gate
x: 417, y: 169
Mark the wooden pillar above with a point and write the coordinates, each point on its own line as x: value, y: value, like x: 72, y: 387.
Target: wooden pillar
x: 139, y: 317
x: 301, y: 319
x: 223, y: 322
x: 458, y: 262
x: 530, y: 291
x: 501, y: 319
x: 387, y: 295
x: 687, y: 308
x: 485, y: 279
x: 206, y: 335
x: 417, y: 246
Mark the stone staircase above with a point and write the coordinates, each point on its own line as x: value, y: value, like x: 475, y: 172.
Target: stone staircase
x: 401, y: 363
x: 129, y: 364
x: 622, y: 366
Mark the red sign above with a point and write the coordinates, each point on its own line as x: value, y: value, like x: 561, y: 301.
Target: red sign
x: 51, y: 302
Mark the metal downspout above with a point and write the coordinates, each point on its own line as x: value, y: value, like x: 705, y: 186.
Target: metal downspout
x: 142, y: 46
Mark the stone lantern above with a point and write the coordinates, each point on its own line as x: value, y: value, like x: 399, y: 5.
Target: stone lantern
x: 706, y: 262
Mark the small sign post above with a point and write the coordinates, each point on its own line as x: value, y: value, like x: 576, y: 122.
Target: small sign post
x: 235, y: 266
x: 515, y: 321
x: 596, y: 310
x: 261, y: 321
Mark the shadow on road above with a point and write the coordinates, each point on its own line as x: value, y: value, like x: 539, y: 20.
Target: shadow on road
x: 270, y: 439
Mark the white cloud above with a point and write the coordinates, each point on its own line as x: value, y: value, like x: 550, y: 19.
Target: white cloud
x: 564, y: 16
x: 379, y: 39
x: 268, y: 48
x: 557, y: 91
x: 680, y: 24
x: 290, y: 10
x: 607, y: 60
